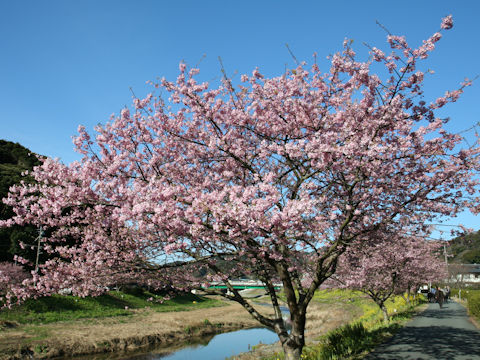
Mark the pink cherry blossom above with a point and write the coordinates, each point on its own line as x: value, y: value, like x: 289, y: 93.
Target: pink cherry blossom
x: 390, y: 264
x: 274, y: 178
x: 447, y: 22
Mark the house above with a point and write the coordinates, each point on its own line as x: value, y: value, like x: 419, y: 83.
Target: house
x: 466, y: 274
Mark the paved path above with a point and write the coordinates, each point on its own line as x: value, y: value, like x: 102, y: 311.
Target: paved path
x: 440, y: 334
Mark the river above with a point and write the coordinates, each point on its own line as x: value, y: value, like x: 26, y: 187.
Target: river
x: 213, y: 347
x: 218, y: 348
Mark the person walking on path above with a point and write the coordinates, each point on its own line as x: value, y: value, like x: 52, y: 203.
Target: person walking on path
x: 440, y: 297
x: 432, y: 335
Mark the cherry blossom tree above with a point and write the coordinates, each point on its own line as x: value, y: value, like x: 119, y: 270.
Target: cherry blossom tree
x: 388, y: 265
x: 11, y: 275
x: 274, y: 176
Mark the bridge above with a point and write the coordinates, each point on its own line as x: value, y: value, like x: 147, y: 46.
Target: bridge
x: 243, y: 284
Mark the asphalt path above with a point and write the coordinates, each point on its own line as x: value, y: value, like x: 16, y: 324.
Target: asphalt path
x: 440, y: 334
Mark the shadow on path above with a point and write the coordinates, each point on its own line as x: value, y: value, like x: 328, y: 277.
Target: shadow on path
x: 447, y: 311
x: 434, y: 334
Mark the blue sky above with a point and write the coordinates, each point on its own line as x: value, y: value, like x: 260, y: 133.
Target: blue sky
x: 65, y: 63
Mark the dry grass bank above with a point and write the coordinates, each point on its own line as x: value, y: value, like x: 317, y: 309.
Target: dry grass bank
x: 146, y: 329
x: 141, y: 330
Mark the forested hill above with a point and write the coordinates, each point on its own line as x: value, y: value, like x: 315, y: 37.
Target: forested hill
x: 465, y: 249
x: 14, y: 159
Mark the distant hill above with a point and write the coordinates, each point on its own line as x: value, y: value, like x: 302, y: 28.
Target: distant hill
x: 14, y: 159
x: 465, y: 249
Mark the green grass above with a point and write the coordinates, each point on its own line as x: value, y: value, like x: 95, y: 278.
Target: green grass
x: 334, y: 295
x: 473, y: 303
x: 113, y: 304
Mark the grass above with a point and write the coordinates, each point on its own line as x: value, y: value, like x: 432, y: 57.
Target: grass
x: 36, y: 333
x: 473, y: 303
x: 356, y: 339
x: 25, y: 326
x: 113, y: 304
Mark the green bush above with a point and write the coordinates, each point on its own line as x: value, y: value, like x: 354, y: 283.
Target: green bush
x: 467, y: 293
x: 346, y: 340
x: 474, y: 305
x: 473, y: 302
x: 454, y: 292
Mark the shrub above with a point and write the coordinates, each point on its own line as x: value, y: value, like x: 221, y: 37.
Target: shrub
x: 345, y: 340
x: 473, y: 299
x: 454, y: 292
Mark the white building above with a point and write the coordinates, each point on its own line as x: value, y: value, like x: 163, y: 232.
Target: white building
x: 466, y: 274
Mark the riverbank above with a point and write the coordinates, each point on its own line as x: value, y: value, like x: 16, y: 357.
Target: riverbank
x: 146, y: 329
x: 166, y: 329
x: 142, y: 329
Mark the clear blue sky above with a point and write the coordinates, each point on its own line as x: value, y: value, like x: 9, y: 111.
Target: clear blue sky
x: 65, y: 63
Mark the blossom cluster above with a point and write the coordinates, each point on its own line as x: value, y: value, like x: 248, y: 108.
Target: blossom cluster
x: 272, y: 177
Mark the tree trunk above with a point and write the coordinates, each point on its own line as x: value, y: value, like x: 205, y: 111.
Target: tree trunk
x: 292, y: 353
x: 385, y: 313
x: 408, y: 295
x: 295, y: 341
x: 293, y: 347
x: 406, y: 298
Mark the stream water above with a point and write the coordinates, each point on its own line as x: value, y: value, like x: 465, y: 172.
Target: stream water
x: 214, y: 347
x: 217, y: 348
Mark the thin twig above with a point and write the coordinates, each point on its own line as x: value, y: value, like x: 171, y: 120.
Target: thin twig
x: 291, y: 53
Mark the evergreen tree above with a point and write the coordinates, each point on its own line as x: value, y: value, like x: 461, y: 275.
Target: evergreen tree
x: 14, y: 160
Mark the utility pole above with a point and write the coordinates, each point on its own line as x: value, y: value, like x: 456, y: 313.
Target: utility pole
x: 39, y: 238
x: 445, y: 253
x: 446, y: 261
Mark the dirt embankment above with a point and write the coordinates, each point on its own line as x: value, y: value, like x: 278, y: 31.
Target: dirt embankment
x: 141, y: 331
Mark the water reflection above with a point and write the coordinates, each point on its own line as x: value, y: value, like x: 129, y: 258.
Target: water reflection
x: 283, y: 309
x: 220, y: 347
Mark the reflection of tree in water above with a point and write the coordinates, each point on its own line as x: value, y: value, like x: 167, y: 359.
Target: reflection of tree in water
x: 154, y: 352
x: 197, y: 341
